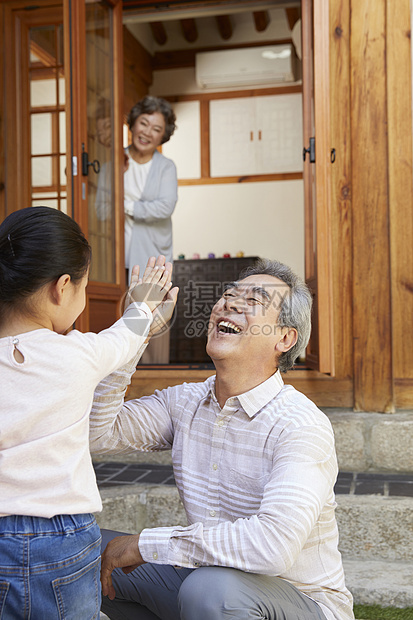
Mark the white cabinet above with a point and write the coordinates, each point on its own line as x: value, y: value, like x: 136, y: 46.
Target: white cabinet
x: 256, y: 135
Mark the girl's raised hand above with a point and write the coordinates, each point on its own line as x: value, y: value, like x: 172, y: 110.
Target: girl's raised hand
x: 155, y: 284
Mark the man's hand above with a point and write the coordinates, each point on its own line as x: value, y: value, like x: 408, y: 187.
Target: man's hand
x: 163, y: 313
x: 121, y: 552
x: 154, y: 286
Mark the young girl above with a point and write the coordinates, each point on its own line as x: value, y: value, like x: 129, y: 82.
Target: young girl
x: 49, y: 540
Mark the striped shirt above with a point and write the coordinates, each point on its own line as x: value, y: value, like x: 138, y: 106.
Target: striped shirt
x: 256, y: 479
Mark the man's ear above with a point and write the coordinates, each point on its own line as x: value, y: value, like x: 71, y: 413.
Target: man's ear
x: 59, y: 288
x: 288, y: 339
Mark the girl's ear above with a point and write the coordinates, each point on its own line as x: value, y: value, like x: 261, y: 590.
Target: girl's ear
x: 59, y: 288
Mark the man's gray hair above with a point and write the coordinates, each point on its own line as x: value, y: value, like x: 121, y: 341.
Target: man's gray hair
x: 295, y: 308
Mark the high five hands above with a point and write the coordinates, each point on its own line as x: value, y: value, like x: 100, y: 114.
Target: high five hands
x: 155, y: 289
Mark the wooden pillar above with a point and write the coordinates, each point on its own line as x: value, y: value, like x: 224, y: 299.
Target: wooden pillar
x: 399, y: 103
x: 341, y: 194
x: 373, y: 376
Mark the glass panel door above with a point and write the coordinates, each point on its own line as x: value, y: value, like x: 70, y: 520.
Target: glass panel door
x: 100, y: 108
x: 47, y: 115
x: 93, y: 31
x: 35, y: 91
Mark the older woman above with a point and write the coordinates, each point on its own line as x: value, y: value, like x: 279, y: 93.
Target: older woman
x: 151, y: 185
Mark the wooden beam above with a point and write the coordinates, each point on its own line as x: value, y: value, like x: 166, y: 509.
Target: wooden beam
x: 224, y: 26
x: 341, y: 187
x: 323, y: 390
x: 43, y: 48
x: 205, y: 155
x: 293, y: 15
x: 373, y: 377
x: 189, y: 29
x: 399, y: 106
x: 261, y: 20
x: 158, y: 32
x: 252, y: 178
x: 234, y: 94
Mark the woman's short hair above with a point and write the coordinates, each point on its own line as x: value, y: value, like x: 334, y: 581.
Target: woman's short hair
x: 149, y: 105
x: 295, y: 308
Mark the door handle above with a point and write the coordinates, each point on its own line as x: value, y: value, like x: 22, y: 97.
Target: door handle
x: 310, y: 150
x: 86, y: 163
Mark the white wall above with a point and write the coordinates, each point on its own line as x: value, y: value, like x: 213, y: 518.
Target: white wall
x: 264, y: 218
x: 261, y: 219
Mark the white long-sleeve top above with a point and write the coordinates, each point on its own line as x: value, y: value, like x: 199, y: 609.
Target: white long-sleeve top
x: 256, y: 479
x: 45, y: 401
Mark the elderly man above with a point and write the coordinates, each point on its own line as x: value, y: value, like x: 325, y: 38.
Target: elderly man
x: 254, y: 464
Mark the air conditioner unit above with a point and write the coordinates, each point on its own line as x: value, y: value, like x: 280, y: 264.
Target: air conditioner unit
x: 247, y: 66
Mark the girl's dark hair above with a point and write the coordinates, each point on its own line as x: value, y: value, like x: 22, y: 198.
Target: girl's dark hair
x: 149, y: 105
x: 37, y: 246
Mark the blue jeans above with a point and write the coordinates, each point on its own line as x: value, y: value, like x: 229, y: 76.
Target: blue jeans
x: 49, y: 568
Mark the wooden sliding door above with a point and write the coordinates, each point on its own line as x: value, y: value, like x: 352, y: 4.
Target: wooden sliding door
x: 35, y: 106
x: 93, y: 35
x: 63, y: 135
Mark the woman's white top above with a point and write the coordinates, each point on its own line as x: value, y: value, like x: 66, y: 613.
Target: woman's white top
x: 134, y: 182
x: 151, y: 222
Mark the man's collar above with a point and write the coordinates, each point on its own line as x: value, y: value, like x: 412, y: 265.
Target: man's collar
x: 255, y: 399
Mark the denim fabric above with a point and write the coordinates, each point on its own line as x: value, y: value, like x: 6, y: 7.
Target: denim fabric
x: 49, y: 568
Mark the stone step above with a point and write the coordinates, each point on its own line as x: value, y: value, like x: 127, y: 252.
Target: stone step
x: 374, y: 582
x: 375, y: 527
x: 376, y: 535
x: 373, y: 441
x: 365, y: 442
x: 371, y: 527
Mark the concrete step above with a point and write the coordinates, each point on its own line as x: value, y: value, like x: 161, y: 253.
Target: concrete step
x: 374, y: 582
x: 373, y: 441
x: 376, y: 536
x: 375, y: 527
x: 365, y: 442
x: 371, y: 527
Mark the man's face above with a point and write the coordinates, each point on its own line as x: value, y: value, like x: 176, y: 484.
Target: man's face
x: 243, y: 325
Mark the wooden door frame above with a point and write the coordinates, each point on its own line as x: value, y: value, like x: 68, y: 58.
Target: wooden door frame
x: 318, y: 254
x: 17, y: 128
x: 323, y: 186
x: 75, y: 53
x: 324, y: 361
